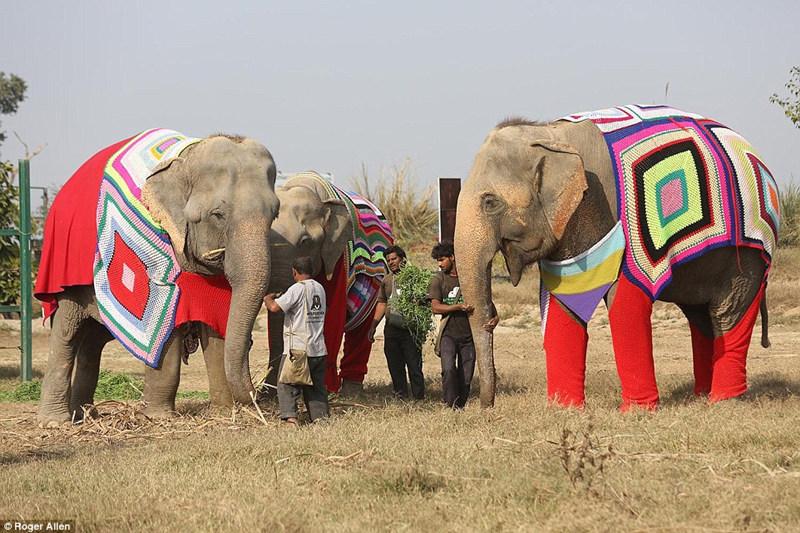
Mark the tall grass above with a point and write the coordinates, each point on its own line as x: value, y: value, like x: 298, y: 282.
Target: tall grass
x: 411, y: 213
x: 789, y: 234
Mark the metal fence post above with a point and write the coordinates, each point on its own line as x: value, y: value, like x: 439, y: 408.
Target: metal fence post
x: 26, y: 309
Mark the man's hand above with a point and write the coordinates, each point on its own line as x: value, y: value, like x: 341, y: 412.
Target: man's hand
x: 371, y: 333
x: 270, y: 303
x: 467, y: 308
x: 492, y: 323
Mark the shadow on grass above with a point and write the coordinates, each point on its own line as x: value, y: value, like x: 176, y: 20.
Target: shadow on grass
x: 11, y: 372
x: 769, y: 386
x: 28, y: 456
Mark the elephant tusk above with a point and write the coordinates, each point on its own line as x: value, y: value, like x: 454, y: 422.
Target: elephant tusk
x: 279, y: 244
x: 213, y: 254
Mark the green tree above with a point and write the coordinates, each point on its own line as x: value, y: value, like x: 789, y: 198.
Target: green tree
x: 791, y: 103
x: 12, y: 93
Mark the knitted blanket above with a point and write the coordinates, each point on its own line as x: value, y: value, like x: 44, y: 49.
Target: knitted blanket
x: 70, y: 247
x: 685, y: 185
x: 135, y: 267
x: 366, y: 264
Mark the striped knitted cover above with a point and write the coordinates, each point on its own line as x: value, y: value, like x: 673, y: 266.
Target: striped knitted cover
x: 135, y: 267
x: 366, y: 264
x: 685, y: 185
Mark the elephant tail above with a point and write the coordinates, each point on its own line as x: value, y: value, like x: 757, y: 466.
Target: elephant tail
x: 764, y: 321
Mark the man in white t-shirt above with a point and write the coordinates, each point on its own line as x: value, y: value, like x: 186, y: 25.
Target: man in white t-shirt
x: 303, y: 305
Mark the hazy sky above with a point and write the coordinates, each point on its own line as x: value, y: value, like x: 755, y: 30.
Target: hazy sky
x: 332, y: 85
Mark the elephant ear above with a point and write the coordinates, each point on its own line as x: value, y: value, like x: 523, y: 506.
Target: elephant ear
x: 338, y: 230
x: 559, y: 182
x: 165, y: 194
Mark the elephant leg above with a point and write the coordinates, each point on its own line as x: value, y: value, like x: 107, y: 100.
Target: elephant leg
x: 565, y: 341
x: 219, y: 391
x: 629, y: 315
x: 275, y: 338
x: 94, y: 337
x: 729, y: 378
x: 65, y: 337
x: 357, y: 348
x: 702, y: 346
x: 161, y: 384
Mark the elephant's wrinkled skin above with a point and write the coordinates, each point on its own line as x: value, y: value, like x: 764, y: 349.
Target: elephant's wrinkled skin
x: 547, y: 191
x: 217, y: 202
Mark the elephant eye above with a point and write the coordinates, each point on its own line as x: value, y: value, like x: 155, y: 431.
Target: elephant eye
x: 492, y: 204
x: 217, y: 215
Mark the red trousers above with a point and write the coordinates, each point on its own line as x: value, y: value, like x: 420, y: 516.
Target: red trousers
x: 357, y: 347
x: 719, y: 363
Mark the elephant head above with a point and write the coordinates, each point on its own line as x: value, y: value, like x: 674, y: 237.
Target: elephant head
x: 522, y: 190
x: 217, y: 202
x: 312, y: 224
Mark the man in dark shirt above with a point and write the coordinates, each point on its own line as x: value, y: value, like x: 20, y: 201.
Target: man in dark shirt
x: 399, y: 346
x: 454, y: 345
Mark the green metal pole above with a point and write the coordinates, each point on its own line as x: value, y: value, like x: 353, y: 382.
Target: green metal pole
x: 26, y: 314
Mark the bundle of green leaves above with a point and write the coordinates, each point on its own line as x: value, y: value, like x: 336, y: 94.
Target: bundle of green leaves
x: 413, y: 303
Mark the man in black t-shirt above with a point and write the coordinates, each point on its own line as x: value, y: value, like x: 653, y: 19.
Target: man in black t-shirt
x: 401, y: 350
x: 454, y: 345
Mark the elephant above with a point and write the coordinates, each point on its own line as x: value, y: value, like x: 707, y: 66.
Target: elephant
x: 345, y: 235
x: 175, y: 250
x: 629, y: 205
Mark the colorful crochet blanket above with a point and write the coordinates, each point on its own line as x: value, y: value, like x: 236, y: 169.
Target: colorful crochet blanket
x: 685, y: 185
x: 135, y: 267
x: 366, y: 264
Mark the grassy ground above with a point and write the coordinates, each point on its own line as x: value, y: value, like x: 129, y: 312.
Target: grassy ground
x: 385, y: 465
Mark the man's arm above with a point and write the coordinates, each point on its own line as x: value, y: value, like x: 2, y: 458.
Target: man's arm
x: 380, y: 310
x: 443, y: 309
x: 271, y: 304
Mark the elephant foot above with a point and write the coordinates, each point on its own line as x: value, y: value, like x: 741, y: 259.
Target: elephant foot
x: 159, y: 412
x: 53, y: 419
x: 351, y: 389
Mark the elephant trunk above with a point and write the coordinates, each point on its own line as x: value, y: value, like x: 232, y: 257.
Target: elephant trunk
x: 247, y: 267
x: 475, y: 247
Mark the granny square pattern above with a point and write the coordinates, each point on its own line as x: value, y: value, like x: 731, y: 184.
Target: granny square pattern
x: 135, y: 267
x: 685, y: 185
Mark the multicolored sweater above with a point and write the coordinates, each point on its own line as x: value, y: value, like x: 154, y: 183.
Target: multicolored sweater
x: 685, y: 185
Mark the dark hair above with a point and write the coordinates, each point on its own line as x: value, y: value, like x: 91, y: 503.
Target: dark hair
x: 394, y: 249
x: 443, y: 249
x: 303, y: 265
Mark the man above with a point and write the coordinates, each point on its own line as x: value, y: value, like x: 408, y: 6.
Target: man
x: 401, y: 351
x: 454, y: 344
x: 303, y: 305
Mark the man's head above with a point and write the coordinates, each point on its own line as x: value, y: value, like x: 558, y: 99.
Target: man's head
x: 395, y: 257
x: 444, y: 254
x: 302, y: 267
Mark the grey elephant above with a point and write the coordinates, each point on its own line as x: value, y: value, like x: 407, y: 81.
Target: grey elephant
x: 157, y: 240
x: 345, y: 235
x: 629, y: 204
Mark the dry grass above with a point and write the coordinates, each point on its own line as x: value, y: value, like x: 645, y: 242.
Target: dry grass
x: 411, y: 213
x: 380, y: 464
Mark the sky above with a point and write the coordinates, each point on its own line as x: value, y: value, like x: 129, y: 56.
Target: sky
x: 339, y: 86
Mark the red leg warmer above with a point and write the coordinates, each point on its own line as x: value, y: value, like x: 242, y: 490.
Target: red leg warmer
x: 357, y: 348
x: 702, y: 353
x: 632, y: 336
x: 730, y: 356
x: 335, y: 318
x: 565, y: 340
